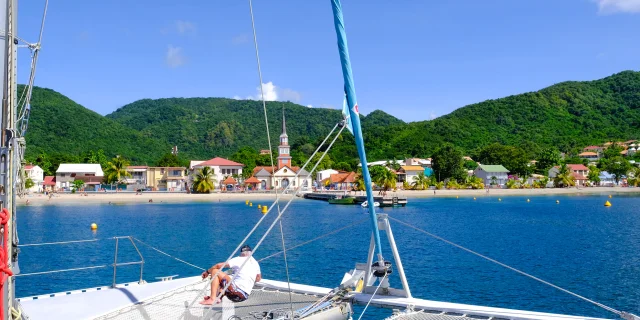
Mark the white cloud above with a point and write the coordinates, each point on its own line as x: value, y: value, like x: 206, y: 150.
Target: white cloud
x: 613, y: 6
x: 237, y: 97
x: 174, y: 57
x: 240, y: 39
x: 432, y: 116
x: 274, y: 93
x: 185, y: 27
x: 309, y: 106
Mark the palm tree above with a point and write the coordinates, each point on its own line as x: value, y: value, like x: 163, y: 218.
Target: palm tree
x: 453, y: 185
x: 387, y: 180
x: 635, y: 173
x: 116, y: 170
x: 564, y: 178
x: 421, y: 182
x: 358, y: 183
x: 594, y: 174
x: 204, y: 181
x: 512, y: 184
x: 475, y: 182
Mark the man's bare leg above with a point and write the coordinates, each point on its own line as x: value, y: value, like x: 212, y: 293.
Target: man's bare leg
x: 216, y: 287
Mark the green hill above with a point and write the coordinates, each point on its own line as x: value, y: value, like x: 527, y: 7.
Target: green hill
x: 567, y: 116
x: 60, y: 126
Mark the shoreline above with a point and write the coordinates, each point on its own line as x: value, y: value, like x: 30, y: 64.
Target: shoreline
x: 132, y: 198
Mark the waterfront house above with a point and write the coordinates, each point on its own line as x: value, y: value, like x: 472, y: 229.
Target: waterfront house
x: 221, y: 169
x: 138, y: 178
x: 166, y: 178
x: 409, y: 173
x: 324, y: 174
x: 492, y: 174
x: 596, y: 149
x: 341, y: 181
x: 606, y: 179
x: 36, y: 174
x: 90, y: 173
x: 578, y: 171
x: 49, y: 183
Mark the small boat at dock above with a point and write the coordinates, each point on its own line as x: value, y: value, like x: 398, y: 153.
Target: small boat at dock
x: 342, y: 200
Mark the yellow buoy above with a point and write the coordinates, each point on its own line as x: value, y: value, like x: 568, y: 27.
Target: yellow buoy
x: 259, y: 206
x: 250, y: 204
x: 264, y: 209
x: 246, y: 202
x: 607, y: 204
x: 94, y: 226
x: 557, y: 201
x: 456, y: 197
x: 609, y: 196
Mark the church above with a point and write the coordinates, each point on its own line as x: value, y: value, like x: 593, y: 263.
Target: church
x: 284, y: 172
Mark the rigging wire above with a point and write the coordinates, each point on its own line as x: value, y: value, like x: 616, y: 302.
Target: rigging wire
x: 618, y: 312
x: 373, y: 295
x: 273, y: 171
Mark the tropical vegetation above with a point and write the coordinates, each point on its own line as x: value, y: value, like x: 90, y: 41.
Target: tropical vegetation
x: 204, y: 181
x: 116, y: 170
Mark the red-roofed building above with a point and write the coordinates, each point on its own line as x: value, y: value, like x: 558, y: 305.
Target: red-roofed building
x: 578, y: 171
x: 284, y: 174
x: 222, y: 169
x: 49, y: 183
x: 341, y: 181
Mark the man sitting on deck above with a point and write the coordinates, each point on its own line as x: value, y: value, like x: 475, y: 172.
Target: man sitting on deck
x: 240, y: 288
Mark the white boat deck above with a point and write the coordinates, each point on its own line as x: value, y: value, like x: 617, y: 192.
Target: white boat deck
x: 433, y: 308
x: 94, y: 302
x: 124, y: 301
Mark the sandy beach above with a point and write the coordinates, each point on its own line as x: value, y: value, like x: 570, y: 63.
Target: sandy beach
x: 262, y: 198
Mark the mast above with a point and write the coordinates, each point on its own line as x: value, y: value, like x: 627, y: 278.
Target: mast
x: 352, y: 103
x: 8, y: 159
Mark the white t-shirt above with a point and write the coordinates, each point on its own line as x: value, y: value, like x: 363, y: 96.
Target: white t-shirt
x: 247, y: 276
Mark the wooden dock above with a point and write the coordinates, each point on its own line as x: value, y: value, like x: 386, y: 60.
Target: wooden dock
x: 388, y: 201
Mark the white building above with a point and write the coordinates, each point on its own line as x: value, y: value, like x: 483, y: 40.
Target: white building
x: 36, y: 174
x: 138, y: 178
x: 324, y: 174
x: 492, y: 174
x: 90, y: 173
x: 410, y: 173
x: 285, y: 173
x: 222, y: 169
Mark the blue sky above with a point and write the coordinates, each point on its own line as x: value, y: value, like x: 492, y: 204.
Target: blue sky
x: 413, y: 59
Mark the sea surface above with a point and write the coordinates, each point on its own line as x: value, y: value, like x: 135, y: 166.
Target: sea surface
x: 577, y: 244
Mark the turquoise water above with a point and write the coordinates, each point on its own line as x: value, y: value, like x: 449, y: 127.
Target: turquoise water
x: 577, y: 244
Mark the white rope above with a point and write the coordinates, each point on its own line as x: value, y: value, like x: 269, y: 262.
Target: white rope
x: 56, y: 271
x: 620, y: 313
x: 170, y: 256
x: 266, y: 122
x: 373, y: 295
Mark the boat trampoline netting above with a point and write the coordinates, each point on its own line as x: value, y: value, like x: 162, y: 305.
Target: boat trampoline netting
x: 175, y: 305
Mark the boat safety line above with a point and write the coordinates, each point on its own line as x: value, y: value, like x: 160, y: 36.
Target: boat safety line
x: 317, y: 238
x: 63, y: 270
x: 618, y: 312
x: 373, y: 295
x: 266, y: 233
x: 60, y: 242
x: 168, y: 255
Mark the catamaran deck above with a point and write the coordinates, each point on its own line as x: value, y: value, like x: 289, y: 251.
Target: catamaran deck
x: 166, y: 300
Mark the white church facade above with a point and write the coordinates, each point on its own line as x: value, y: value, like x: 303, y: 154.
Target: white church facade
x: 285, y: 173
